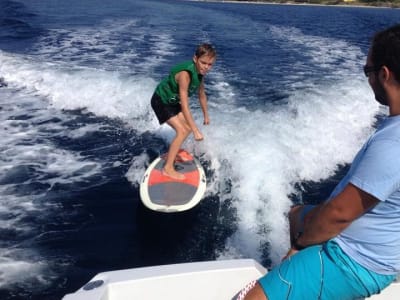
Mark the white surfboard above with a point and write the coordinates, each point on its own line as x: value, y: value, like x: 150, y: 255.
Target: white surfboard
x: 165, y: 194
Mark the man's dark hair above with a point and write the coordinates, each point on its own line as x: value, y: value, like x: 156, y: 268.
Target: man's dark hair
x: 385, y: 50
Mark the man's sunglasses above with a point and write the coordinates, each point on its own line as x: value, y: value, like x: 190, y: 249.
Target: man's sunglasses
x: 369, y: 69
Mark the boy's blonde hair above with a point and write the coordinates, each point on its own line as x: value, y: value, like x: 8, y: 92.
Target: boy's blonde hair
x: 205, y: 49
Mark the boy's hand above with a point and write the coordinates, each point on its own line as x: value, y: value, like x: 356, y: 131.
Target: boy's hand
x: 198, y: 136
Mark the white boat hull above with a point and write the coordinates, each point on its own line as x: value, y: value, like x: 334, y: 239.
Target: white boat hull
x: 195, y: 281
x: 211, y: 280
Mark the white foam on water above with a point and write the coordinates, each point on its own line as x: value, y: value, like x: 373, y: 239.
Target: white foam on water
x: 137, y: 169
x: 267, y: 152
x: 85, y: 68
x: 79, y: 68
x: 29, y: 158
x: 12, y: 272
x: 113, y: 45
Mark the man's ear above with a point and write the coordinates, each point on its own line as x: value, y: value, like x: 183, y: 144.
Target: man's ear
x: 385, y: 73
x: 386, y: 76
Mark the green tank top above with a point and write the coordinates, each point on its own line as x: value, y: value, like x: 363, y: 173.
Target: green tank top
x: 168, y: 89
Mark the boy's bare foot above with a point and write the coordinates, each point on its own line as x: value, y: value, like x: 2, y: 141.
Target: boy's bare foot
x: 174, y: 174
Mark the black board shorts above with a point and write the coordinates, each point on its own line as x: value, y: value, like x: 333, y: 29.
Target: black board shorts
x: 164, y: 111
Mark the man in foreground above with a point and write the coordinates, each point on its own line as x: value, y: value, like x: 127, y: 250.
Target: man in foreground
x: 348, y: 247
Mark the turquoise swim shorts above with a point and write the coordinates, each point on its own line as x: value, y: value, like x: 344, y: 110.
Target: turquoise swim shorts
x: 322, y: 272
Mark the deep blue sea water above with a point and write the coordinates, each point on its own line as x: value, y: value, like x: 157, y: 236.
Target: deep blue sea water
x: 288, y: 103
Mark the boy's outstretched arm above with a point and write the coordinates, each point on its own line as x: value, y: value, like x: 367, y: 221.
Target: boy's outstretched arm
x: 203, y: 103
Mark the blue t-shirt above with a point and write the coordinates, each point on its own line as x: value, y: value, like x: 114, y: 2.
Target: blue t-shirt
x: 373, y: 240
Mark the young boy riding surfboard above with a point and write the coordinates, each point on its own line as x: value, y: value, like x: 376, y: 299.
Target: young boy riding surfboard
x: 170, y: 102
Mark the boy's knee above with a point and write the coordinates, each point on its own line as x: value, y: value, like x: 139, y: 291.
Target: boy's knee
x: 183, y: 131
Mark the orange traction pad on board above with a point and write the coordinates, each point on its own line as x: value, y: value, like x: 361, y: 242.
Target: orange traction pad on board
x: 191, y: 178
x: 182, y: 156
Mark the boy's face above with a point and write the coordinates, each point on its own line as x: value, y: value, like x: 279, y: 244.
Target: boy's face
x: 203, y: 63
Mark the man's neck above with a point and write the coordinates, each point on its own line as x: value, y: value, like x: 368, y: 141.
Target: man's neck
x: 392, y: 89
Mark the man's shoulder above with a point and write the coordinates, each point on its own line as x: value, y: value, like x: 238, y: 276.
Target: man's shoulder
x: 389, y: 129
